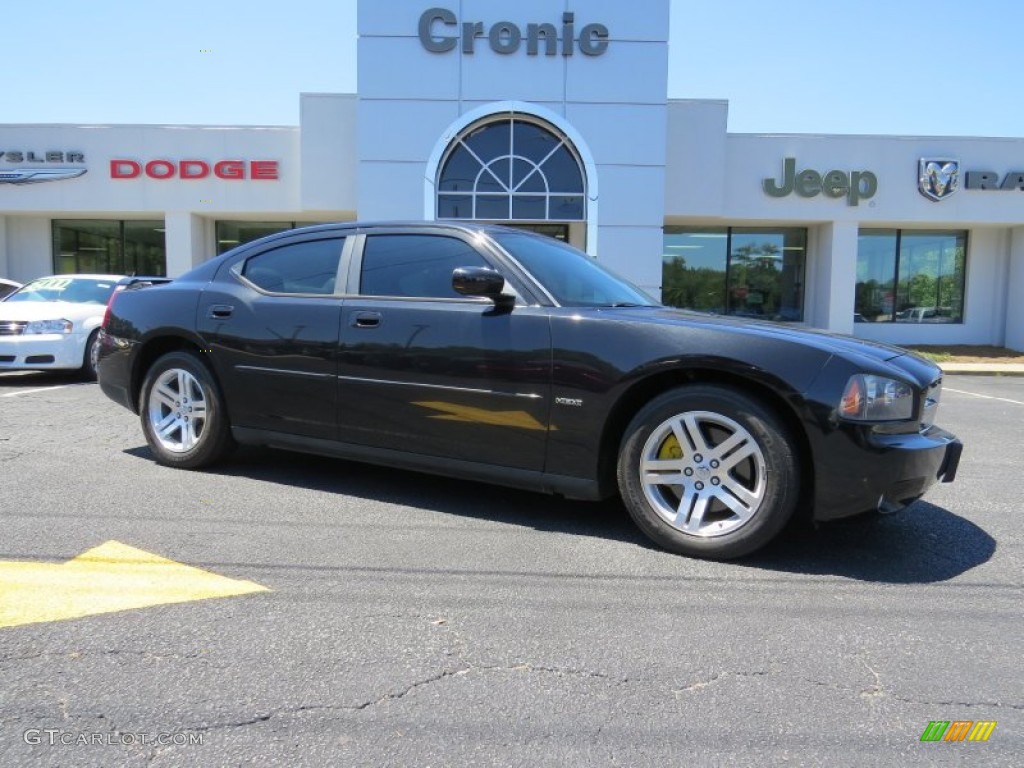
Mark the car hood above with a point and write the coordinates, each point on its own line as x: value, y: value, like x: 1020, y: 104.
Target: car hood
x: 49, y: 310
x: 826, y: 341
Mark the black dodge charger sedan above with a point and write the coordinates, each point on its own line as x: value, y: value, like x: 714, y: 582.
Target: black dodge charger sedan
x: 499, y: 355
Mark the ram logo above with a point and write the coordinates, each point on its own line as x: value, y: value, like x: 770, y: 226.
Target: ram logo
x: 937, y: 178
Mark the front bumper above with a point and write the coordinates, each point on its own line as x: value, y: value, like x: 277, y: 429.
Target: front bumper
x: 44, y: 351
x: 884, y: 472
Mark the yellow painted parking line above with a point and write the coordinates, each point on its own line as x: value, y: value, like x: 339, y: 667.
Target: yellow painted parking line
x: 108, y: 578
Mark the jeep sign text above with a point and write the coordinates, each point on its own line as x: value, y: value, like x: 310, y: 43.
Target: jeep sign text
x: 440, y: 32
x: 855, y: 186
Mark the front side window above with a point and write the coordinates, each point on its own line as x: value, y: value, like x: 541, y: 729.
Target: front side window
x: 309, y: 267
x: 414, y: 265
x: 748, y: 271
x: 571, y: 277
x: 906, y: 276
x: 511, y: 169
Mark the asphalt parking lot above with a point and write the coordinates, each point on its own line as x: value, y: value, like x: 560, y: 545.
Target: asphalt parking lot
x: 400, y: 619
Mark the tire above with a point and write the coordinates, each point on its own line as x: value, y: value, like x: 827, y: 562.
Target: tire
x: 737, y: 472
x: 183, y: 414
x: 91, y: 356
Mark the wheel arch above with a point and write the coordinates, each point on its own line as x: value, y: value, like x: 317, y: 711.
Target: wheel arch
x: 642, y: 391
x: 151, y: 351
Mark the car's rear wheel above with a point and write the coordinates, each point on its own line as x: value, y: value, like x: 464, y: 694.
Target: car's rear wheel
x: 708, y: 471
x: 182, y: 413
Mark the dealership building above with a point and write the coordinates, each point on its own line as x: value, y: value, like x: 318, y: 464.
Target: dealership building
x: 553, y: 116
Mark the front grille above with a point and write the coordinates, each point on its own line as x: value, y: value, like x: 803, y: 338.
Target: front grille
x: 12, y: 327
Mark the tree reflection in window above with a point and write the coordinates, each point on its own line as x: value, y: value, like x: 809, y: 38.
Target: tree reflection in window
x: 750, y: 271
x: 906, y: 276
x: 512, y: 168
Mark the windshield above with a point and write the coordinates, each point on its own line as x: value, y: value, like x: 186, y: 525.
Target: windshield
x: 78, y: 290
x: 570, y: 276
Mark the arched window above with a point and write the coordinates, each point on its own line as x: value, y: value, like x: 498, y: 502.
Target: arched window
x: 513, y: 168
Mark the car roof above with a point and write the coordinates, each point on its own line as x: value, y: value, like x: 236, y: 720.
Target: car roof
x: 355, y: 226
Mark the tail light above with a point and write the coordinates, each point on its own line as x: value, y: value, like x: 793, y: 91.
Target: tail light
x: 110, y: 306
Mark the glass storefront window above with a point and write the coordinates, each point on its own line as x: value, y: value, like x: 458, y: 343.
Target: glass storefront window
x: 694, y: 268
x: 876, y: 275
x: 754, y: 272
x: 906, y: 276
x: 109, y: 247
x: 766, y: 273
x: 232, y: 233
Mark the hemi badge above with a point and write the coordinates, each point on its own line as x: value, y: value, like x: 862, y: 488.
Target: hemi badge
x: 575, y: 402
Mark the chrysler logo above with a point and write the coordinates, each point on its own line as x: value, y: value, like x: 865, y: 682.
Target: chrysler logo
x: 937, y: 178
x: 37, y: 175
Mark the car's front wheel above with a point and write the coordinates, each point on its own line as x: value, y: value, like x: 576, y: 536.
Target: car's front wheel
x: 182, y: 413
x: 708, y: 471
x: 91, y: 358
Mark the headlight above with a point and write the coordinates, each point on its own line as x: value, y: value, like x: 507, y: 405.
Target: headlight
x: 876, y: 398
x: 49, y: 326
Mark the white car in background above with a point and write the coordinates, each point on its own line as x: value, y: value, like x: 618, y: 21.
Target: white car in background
x: 53, y: 323
x: 7, y: 287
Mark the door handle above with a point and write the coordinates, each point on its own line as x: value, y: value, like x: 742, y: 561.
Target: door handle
x: 365, y: 319
x: 220, y: 311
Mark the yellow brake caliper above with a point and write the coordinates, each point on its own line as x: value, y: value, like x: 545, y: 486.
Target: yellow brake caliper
x: 670, y: 449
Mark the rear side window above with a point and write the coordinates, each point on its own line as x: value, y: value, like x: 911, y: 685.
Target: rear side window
x: 414, y: 265
x: 309, y: 267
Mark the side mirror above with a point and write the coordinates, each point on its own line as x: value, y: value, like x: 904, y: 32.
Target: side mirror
x: 481, y: 281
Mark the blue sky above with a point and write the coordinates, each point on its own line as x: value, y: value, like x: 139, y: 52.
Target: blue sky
x: 907, y: 67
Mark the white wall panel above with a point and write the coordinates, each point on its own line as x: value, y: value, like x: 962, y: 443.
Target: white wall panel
x: 329, y: 159
x: 385, y: 128
x: 491, y: 76
x: 634, y: 252
x: 629, y: 73
x: 391, y: 190
x: 399, y: 68
x: 625, y: 21
x: 834, y: 271
x: 556, y: 107
x: 4, y: 268
x: 523, y: 12
x: 695, y: 179
x: 29, y: 249
x: 632, y: 195
x: 394, y: 18
x: 622, y: 134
